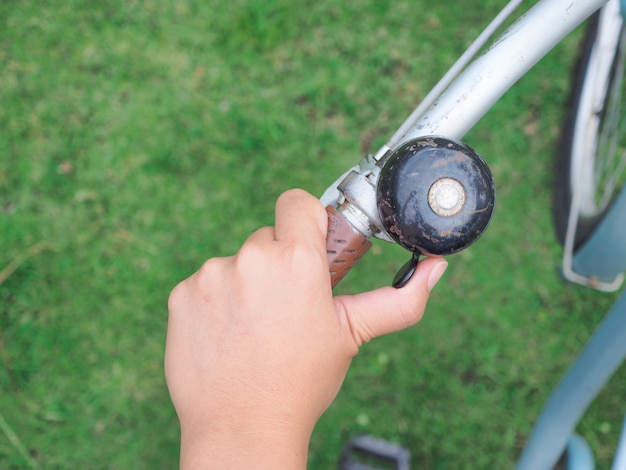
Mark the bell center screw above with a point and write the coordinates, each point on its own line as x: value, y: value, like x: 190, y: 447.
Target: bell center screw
x: 446, y: 197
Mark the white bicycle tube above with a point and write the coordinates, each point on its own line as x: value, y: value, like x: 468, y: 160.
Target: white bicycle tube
x: 596, y: 264
x: 486, y: 79
x: 592, y: 100
x: 482, y: 84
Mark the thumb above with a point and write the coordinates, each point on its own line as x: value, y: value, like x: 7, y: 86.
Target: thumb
x: 386, y: 310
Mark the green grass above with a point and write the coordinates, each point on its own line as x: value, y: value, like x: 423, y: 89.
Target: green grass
x: 139, y: 138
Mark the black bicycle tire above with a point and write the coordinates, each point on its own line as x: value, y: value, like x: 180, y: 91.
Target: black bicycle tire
x: 562, y: 194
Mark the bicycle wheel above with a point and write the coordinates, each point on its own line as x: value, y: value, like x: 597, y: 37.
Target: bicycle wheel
x: 591, y: 157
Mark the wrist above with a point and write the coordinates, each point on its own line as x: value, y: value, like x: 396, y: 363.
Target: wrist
x: 236, y: 444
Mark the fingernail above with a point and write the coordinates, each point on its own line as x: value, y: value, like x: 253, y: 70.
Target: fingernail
x: 435, y: 274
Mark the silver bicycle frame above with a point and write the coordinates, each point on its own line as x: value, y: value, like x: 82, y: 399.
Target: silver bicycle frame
x: 484, y: 82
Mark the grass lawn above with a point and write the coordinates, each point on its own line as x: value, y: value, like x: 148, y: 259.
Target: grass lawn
x: 139, y: 138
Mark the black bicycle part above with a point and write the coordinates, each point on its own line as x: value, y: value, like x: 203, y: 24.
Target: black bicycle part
x: 406, y: 271
x: 435, y: 197
x: 369, y: 453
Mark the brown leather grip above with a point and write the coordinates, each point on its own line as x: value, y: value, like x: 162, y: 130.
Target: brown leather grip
x: 344, y: 245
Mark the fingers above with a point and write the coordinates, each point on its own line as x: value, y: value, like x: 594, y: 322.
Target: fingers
x: 299, y: 216
x: 387, y: 310
x: 262, y: 236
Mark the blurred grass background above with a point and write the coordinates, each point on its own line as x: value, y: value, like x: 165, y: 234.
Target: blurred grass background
x: 138, y: 138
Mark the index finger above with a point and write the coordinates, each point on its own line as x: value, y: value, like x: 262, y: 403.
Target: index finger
x: 300, y: 216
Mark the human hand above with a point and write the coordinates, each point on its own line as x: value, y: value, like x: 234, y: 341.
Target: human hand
x: 257, y: 347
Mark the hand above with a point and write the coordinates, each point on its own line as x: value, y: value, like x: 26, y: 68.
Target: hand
x: 257, y: 347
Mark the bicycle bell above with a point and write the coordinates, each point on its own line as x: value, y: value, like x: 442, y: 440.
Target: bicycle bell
x: 435, y: 196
